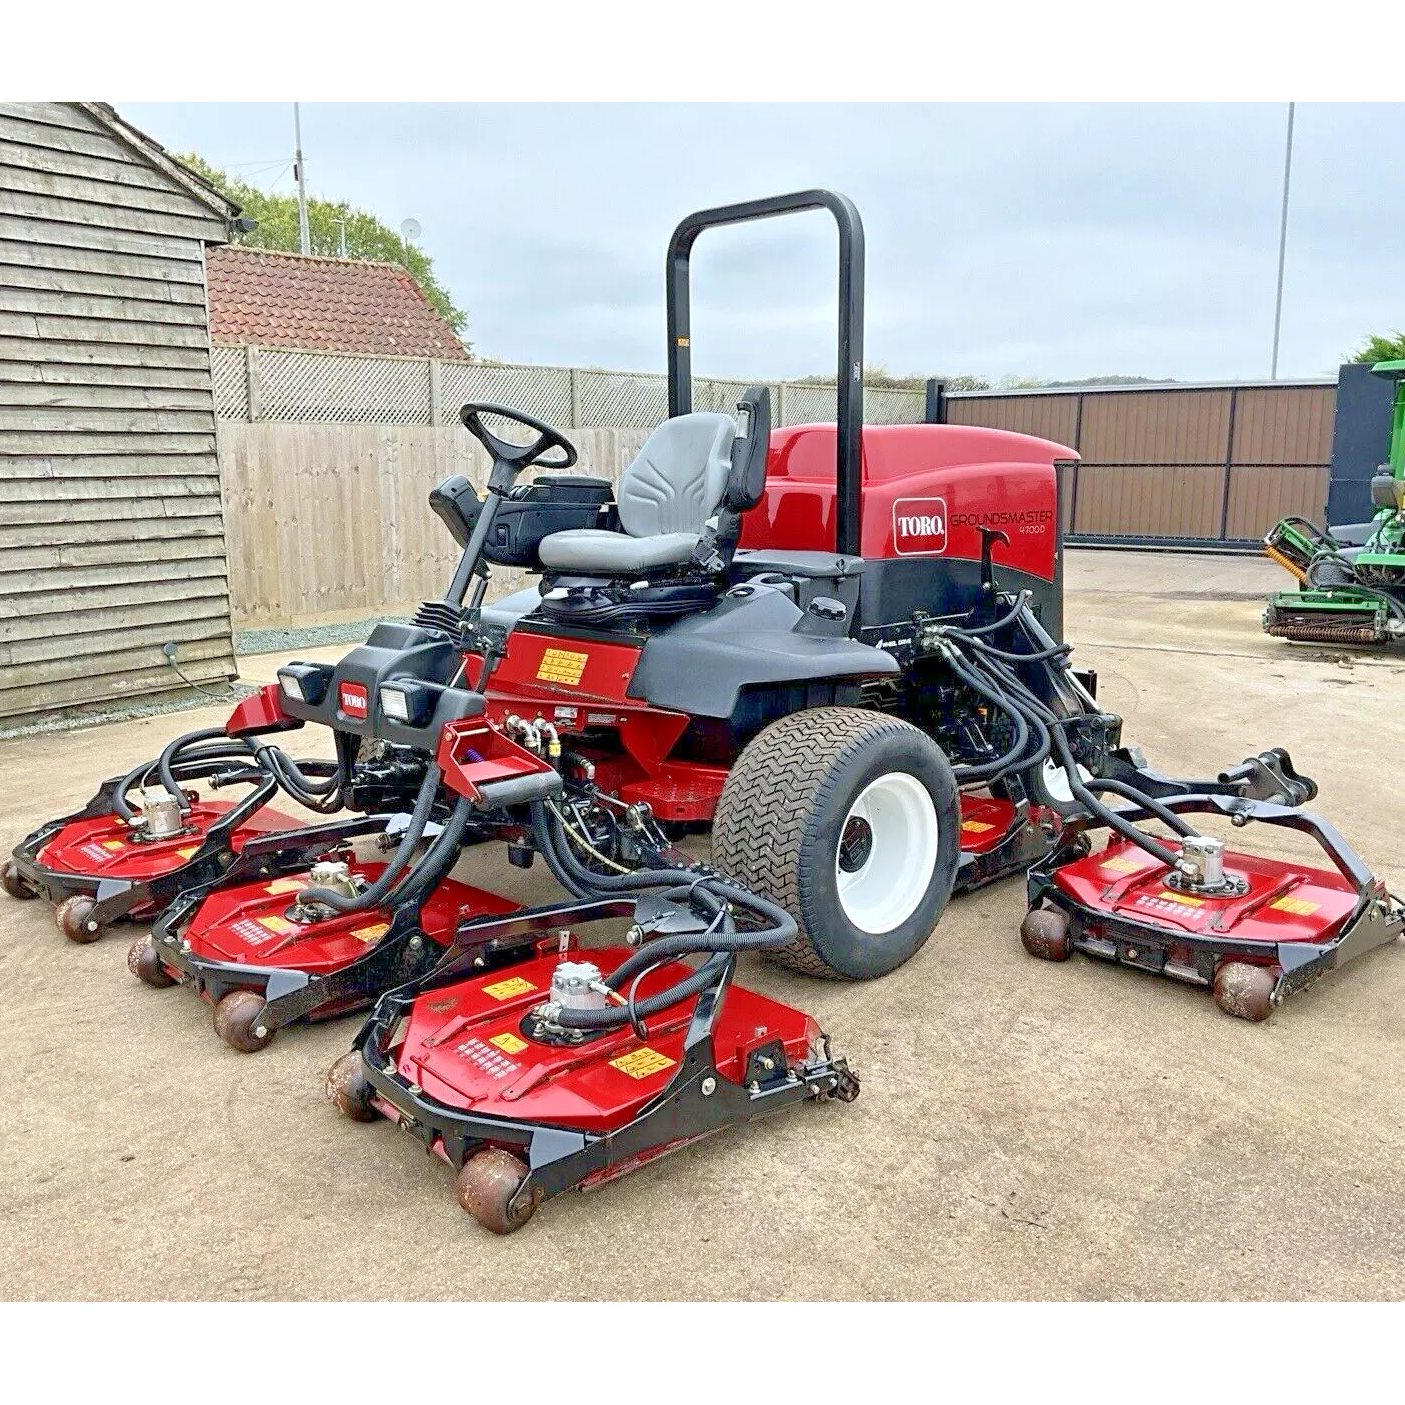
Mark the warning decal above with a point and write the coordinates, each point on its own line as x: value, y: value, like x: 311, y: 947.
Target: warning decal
x: 280, y: 926
x: 505, y: 990
x: 373, y: 933
x: 1120, y: 863
x: 642, y: 1062
x: 562, y: 666
x: 285, y: 885
x: 112, y: 844
x: 1299, y: 907
x: 976, y: 826
x: 187, y: 852
x: 508, y: 1043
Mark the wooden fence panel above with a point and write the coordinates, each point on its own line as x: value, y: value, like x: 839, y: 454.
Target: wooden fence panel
x: 330, y: 522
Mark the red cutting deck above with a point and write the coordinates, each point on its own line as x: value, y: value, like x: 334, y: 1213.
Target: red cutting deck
x: 251, y: 923
x: 1285, y: 902
x: 106, y: 846
x: 465, y: 1046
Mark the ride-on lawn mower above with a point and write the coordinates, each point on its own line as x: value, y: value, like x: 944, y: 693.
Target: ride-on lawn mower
x: 697, y: 651
x: 1351, y: 580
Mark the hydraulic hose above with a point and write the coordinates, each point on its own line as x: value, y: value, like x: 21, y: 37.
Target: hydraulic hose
x: 436, y: 860
x: 712, y: 893
x: 166, y: 759
x: 988, y: 771
x: 414, y: 831
x: 1021, y: 600
x: 989, y: 674
x: 186, y: 759
x: 1388, y: 600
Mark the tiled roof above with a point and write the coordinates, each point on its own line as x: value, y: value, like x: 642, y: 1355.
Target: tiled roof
x: 262, y: 298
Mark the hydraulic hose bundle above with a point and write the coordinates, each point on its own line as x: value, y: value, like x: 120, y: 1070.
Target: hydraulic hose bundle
x: 1039, y: 731
x: 720, y: 941
x: 211, y: 753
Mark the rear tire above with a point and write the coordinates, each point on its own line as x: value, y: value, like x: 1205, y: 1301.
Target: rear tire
x: 851, y: 821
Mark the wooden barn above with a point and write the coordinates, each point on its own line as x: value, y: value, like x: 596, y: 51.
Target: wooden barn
x: 111, y: 534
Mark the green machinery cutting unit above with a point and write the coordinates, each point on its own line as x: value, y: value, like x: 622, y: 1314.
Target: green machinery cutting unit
x: 1351, y: 580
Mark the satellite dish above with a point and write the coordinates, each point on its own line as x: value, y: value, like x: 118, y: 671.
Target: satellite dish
x: 410, y: 230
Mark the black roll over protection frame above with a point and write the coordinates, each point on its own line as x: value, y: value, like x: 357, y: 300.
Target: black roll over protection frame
x: 847, y: 466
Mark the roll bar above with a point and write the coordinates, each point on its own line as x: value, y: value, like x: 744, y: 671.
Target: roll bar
x: 848, y: 488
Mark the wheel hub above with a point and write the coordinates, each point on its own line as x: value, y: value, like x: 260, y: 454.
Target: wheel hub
x: 855, y: 845
x: 887, y: 853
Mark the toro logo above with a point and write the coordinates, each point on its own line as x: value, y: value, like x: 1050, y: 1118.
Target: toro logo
x: 919, y: 526
x: 353, y: 700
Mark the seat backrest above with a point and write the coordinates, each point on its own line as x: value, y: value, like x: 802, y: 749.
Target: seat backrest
x: 678, y: 479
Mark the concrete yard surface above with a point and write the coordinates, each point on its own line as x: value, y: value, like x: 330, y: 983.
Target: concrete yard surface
x: 1025, y: 1130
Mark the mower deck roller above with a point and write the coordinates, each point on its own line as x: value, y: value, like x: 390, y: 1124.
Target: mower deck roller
x: 1251, y: 929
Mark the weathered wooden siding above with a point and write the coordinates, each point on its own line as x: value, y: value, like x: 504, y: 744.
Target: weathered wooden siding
x: 330, y: 521
x: 111, y: 529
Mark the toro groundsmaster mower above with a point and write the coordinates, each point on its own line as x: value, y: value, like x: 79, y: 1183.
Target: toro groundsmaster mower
x: 1351, y: 579
x: 836, y: 646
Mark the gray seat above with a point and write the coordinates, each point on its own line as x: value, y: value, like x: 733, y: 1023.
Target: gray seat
x: 677, y: 481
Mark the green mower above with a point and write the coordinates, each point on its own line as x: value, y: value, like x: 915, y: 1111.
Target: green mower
x: 1351, y: 580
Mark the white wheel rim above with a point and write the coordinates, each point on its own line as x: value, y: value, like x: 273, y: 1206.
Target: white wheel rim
x: 1056, y: 785
x: 887, y: 853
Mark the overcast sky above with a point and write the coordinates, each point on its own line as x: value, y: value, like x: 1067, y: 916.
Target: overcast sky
x: 1051, y: 241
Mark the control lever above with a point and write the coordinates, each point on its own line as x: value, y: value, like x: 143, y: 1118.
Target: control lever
x: 989, y: 537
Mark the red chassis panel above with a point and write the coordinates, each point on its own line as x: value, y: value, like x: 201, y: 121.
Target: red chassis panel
x: 927, y: 491
x: 465, y: 1047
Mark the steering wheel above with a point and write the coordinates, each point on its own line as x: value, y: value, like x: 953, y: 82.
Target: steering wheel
x: 515, y: 457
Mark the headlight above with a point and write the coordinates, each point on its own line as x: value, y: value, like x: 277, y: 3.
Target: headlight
x: 305, y: 682
x: 395, y: 704
x: 407, y: 701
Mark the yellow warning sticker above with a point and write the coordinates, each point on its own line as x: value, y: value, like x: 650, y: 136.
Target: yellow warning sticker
x: 1166, y: 895
x: 373, y: 933
x: 279, y: 926
x: 642, y: 1062
x: 1120, y: 863
x: 562, y: 666
x: 112, y: 844
x: 285, y: 885
x: 505, y: 990
x: 1299, y: 907
x: 508, y: 1043
x: 187, y: 852
x: 976, y: 826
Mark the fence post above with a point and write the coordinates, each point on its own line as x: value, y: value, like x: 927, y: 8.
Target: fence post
x: 252, y: 385
x: 1228, y: 462
x: 435, y: 390
x: 575, y: 379
x: 782, y: 403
